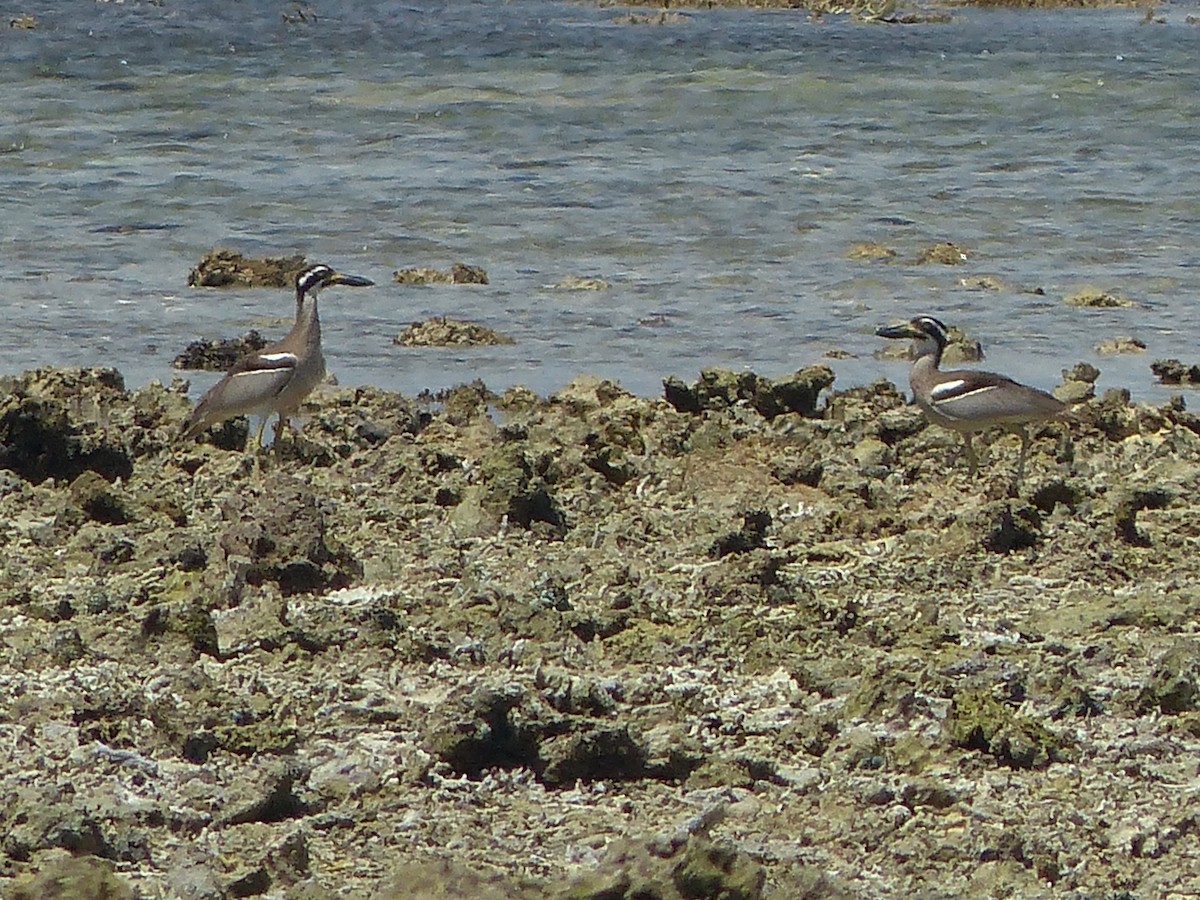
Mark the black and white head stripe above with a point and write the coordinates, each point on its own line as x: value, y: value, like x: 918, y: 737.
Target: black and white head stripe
x: 932, y: 327
x: 313, y: 278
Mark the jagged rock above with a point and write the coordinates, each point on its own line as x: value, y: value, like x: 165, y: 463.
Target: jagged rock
x: 74, y: 878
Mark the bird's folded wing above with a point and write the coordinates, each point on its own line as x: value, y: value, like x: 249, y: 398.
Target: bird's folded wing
x: 987, y: 397
x: 256, y: 380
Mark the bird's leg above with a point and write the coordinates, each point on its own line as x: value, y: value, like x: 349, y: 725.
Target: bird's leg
x: 1024, y: 433
x: 972, y: 460
x: 284, y: 424
x: 258, y: 440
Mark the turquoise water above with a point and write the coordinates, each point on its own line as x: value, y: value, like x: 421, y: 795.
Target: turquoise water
x: 714, y: 172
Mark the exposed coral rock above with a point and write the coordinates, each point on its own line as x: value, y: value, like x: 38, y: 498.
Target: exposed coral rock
x: 1172, y: 371
x: 960, y: 348
x: 1096, y: 298
x: 721, y: 388
x: 459, y: 273
x: 75, y: 878
x: 280, y: 536
x: 446, y: 332
x: 945, y: 254
x: 738, y: 642
x: 870, y: 251
x: 51, y: 425
x: 980, y: 722
x: 228, y: 268
x: 1122, y: 344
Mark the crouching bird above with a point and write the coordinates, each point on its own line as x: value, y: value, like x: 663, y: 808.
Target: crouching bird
x: 968, y: 400
x: 277, y: 378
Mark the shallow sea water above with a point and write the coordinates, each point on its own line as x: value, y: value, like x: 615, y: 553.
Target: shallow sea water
x: 714, y: 172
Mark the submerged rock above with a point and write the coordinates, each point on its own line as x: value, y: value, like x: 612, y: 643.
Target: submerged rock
x: 1097, y: 299
x: 446, y: 332
x: 459, y: 273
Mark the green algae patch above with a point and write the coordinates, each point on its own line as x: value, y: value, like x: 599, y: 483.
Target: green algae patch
x: 712, y: 870
x: 74, y: 878
x: 1174, y: 684
x: 978, y: 721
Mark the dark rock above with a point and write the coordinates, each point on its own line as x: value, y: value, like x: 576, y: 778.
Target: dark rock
x: 483, y: 731
x: 751, y: 536
x: 1129, y: 504
x: 100, y: 501
x: 1172, y: 371
x: 1055, y: 492
x: 515, y: 489
x: 796, y: 393
x: 220, y: 354
x: 1174, y: 684
x: 719, y: 389
x: 197, y: 747
x: 605, y: 753
x: 1010, y: 525
x: 280, y: 536
x: 49, y: 425
x: 276, y: 801
x: 188, y: 620
x: 1081, y: 371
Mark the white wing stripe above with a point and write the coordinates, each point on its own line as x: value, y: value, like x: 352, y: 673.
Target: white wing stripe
x: 953, y: 390
x: 946, y: 389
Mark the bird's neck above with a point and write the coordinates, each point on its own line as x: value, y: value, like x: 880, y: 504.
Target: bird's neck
x: 929, y: 353
x: 308, y: 322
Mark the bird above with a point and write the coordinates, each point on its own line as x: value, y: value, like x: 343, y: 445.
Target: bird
x: 969, y: 400
x: 277, y: 378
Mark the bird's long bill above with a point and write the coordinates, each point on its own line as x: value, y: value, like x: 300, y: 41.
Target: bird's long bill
x: 350, y: 280
x: 904, y: 330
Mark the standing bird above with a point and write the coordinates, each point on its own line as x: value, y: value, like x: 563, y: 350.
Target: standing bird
x: 277, y: 378
x: 966, y: 400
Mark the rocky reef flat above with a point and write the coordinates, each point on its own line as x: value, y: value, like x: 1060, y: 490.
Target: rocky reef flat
x: 751, y: 639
